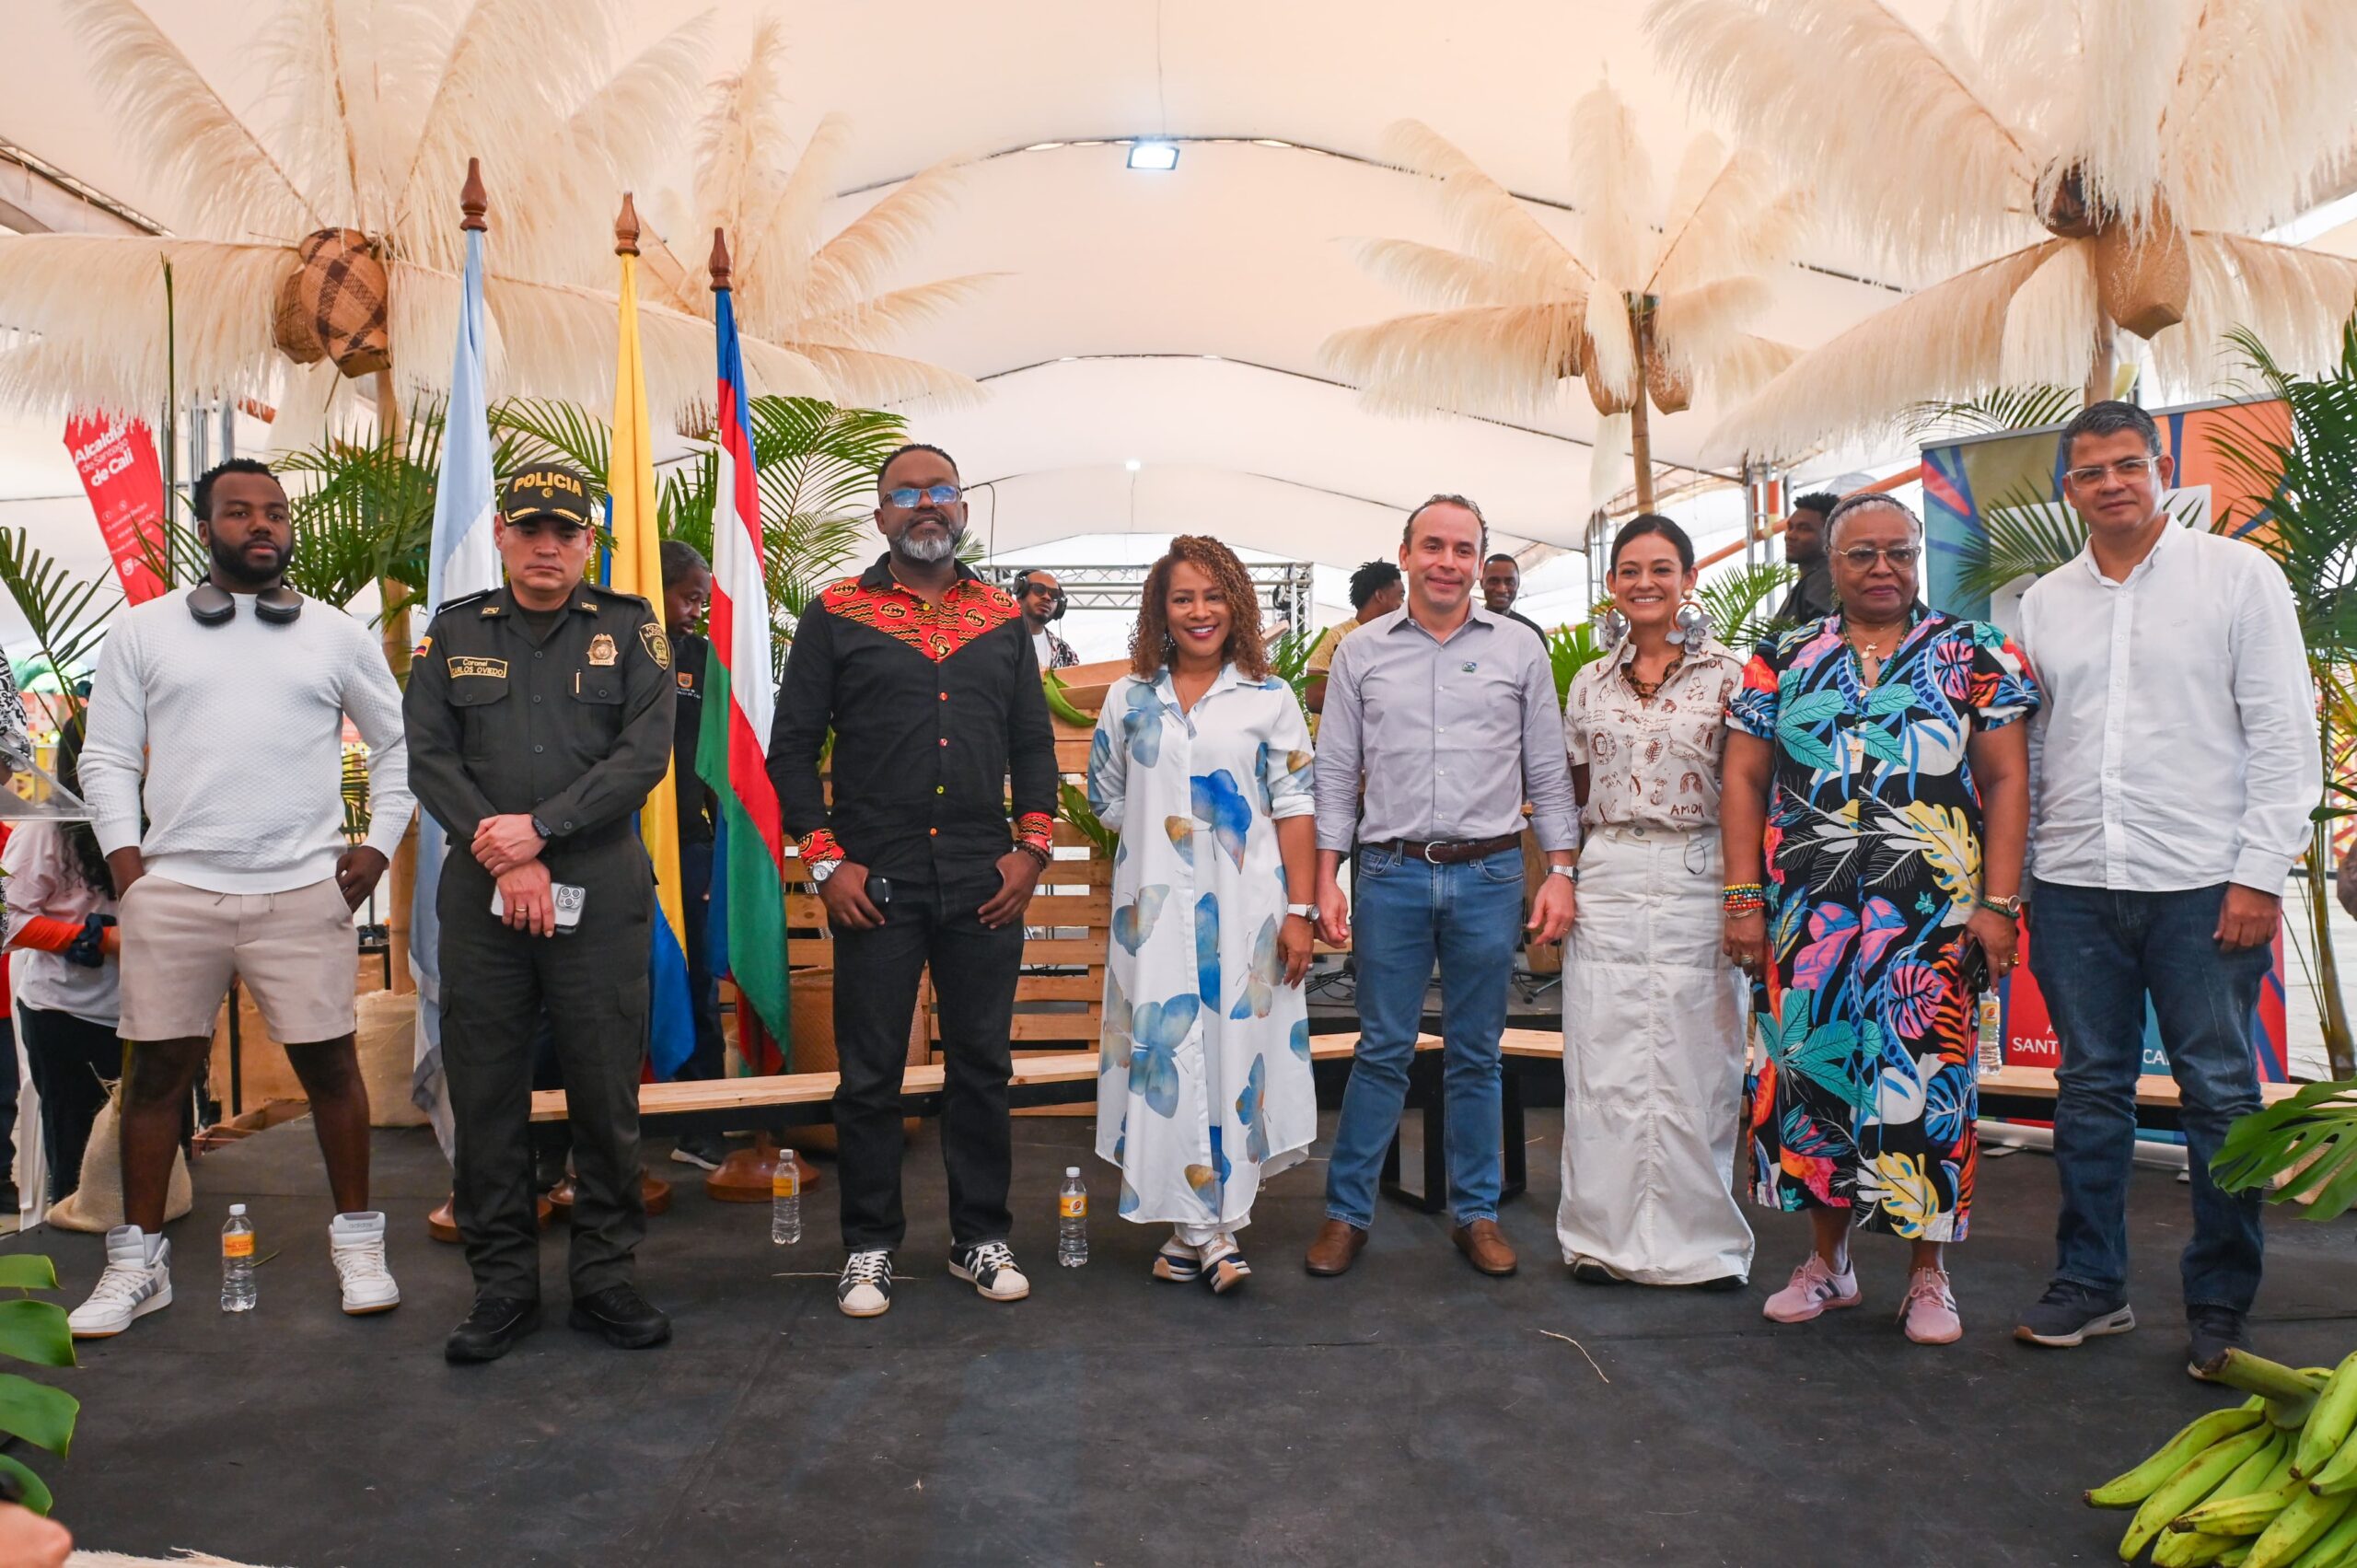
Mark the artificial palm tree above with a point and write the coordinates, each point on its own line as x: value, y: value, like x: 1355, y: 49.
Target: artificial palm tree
x: 321, y: 236
x: 2077, y: 171
x: 817, y: 296
x: 1648, y: 304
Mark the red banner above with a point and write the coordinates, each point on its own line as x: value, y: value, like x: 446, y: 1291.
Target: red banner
x: 126, y: 487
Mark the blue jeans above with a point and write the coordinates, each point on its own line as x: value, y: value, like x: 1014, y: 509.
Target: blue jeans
x: 1408, y: 912
x: 2097, y: 956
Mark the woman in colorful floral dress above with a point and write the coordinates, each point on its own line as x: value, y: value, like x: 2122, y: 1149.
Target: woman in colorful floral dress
x: 1877, y: 767
x: 1200, y: 762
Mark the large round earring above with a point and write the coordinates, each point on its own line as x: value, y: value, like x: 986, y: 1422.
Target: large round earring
x: 1692, y: 627
x: 1612, y: 628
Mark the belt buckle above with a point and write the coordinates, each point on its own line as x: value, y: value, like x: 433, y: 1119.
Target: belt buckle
x: 1428, y: 853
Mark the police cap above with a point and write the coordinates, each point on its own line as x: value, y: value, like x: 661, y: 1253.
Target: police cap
x: 556, y: 490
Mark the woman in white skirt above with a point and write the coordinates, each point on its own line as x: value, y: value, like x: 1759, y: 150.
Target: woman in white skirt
x: 1653, y: 1015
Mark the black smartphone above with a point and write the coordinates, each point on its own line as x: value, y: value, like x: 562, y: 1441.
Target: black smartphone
x: 1974, y: 975
x: 879, y: 890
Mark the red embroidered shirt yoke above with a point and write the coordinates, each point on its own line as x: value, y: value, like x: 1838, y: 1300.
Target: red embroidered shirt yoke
x: 938, y: 721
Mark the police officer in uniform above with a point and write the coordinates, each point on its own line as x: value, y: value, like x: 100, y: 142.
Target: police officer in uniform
x: 539, y: 716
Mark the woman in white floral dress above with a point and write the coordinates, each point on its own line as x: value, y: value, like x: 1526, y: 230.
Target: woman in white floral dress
x: 1200, y: 762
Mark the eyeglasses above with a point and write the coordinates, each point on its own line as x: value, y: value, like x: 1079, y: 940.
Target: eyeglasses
x: 1054, y: 596
x: 1862, y: 556
x: 936, y: 496
x: 2128, y: 471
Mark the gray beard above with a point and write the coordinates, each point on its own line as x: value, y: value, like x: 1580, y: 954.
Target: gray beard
x: 928, y: 549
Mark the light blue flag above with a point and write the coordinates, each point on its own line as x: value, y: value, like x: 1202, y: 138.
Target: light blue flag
x: 462, y: 561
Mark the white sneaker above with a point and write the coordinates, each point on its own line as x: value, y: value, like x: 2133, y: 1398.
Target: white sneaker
x: 356, y: 1243
x: 990, y: 1266
x: 131, y: 1286
x: 865, y: 1289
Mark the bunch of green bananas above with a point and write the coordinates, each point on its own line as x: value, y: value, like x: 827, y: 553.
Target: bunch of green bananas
x: 2270, y: 1484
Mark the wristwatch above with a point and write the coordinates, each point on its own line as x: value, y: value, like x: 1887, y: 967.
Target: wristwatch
x: 825, y: 869
x: 1570, y: 871
x: 1307, y: 912
x: 542, y: 828
x: 2010, y: 908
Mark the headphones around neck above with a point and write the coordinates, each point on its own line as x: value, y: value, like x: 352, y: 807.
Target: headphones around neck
x: 211, y: 605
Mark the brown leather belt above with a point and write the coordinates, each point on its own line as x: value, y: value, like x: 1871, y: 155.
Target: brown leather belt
x: 1451, y: 851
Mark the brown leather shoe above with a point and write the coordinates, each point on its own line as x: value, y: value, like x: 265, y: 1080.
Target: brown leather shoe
x: 1337, y: 1246
x: 1484, y: 1247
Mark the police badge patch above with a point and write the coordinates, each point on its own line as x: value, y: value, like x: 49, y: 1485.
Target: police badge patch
x: 658, y: 646
x: 601, y: 649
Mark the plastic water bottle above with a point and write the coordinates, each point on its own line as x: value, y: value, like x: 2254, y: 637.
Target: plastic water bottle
x: 786, y: 1200
x: 1072, y: 1220
x: 238, y: 1261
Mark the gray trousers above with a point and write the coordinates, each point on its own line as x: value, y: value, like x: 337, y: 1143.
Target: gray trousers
x: 592, y: 984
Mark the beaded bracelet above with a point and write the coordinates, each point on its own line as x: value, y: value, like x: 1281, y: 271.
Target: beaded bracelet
x: 1743, y: 898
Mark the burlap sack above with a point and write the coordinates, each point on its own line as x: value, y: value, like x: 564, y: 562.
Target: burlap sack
x: 97, y: 1205
x: 387, y: 1042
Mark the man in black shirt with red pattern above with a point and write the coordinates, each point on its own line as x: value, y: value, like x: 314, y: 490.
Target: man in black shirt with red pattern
x: 925, y: 675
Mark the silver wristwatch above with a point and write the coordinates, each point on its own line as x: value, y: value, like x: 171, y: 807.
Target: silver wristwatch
x: 825, y: 869
x: 1307, y: 912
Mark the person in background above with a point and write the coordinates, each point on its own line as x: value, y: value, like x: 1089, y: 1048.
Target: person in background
x: 214, y: 770
x: 539, y: 719
x: 1877, y: 769
x: 925, y: 676
x: 2177, y: 765
x: 1205, y: 1088
x: 687, y: 598
x: 61, y: 926
x: 1447, y: 716
x: 1376, y: 589
x: 1042, y: 599
x: 1812, y: 595
x: 1501, y: 585
x: 1654, y: 1013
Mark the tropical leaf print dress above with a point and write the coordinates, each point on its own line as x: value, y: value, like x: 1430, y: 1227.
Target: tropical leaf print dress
x: 1863, y: 1093
x: 1205, y: 1084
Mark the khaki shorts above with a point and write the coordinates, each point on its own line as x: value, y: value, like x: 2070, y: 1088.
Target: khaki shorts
x: 295, y: 952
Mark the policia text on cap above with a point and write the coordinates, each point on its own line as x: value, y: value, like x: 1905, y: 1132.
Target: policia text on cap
x: 539, y: 716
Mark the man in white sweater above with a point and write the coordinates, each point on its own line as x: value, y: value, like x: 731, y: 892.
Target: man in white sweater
x: 217, y: 720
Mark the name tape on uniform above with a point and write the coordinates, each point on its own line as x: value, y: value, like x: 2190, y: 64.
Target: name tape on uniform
x: 494, y: 669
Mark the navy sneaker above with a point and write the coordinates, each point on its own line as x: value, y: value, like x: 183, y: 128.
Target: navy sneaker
x: 2211, y: 1332
x: 2070, y: 1314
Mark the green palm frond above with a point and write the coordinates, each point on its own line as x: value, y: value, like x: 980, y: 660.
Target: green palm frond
x: 2022, y: 534
x: 543, y: 429
x: 1073, y: 806
x: 67, y: 614
x: 1570, y: 649
x: 2315, y: 1131
x: 2001, y: 411
x: 1741, y: 603
x: 1289, y: 662
x: 2308, y: 519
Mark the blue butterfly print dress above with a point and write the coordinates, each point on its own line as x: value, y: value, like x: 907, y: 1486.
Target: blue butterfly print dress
x: 1204, y: 1084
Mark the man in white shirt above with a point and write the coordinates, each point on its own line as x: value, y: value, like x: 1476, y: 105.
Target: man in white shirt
x: 218, y: 716
x: 1041, y: 600
x: 2174, y: 768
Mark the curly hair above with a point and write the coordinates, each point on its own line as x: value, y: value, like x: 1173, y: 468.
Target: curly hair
x: 1150, y: 640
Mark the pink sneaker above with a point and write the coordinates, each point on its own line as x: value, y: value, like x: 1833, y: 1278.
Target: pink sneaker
x: 1814, y: 1289
x: 1929, y: 1312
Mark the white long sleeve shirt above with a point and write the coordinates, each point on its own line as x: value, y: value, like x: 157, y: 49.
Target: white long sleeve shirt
x: 233, y: 736
x: 2178, y: 745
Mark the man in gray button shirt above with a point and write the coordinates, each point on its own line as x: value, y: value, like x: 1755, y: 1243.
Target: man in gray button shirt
x: 1445, y: 714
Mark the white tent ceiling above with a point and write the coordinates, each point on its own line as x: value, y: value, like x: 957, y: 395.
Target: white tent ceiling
x: 1170, y: 318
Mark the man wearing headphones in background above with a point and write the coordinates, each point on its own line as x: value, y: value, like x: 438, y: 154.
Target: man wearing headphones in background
x: 221, y: 711
x: 1042, y: 600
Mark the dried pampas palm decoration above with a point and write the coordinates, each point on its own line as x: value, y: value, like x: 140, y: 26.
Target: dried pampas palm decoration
x: 2078, y: 170
x: 377, y: 106
x: 815, y: 296
x: 1647, y: 305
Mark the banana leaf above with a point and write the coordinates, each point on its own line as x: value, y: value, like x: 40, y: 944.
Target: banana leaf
x: 2317, y: 1125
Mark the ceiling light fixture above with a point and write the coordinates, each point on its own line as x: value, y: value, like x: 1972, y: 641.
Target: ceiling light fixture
x: 1159, y: 156
x: 1133, y: 465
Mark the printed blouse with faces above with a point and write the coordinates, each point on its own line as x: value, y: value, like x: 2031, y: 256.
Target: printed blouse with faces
x: 1652, y: 760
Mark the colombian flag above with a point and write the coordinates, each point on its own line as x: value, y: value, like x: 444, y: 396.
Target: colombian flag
x: 637, y: 568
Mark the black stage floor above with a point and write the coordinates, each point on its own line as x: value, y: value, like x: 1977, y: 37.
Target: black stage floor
x: 1410, y: 1412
